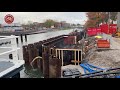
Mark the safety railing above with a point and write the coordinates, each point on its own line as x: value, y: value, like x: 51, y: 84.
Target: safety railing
x: 77, y: 55
x: 13, y: 47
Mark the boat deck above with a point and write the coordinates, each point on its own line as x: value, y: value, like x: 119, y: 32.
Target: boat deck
x: 5, y: 65
x: 9, y: 68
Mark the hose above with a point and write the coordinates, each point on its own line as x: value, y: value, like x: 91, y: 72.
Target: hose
x: 38, y: 57
x: 30, y: 72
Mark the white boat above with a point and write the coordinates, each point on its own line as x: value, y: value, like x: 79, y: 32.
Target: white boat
x: 10, y: 68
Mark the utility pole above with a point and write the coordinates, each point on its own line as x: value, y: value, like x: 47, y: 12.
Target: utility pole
x: 108, y: 22
x: 118, y: 22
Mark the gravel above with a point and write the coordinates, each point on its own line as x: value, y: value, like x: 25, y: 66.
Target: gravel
x: 107, y: 58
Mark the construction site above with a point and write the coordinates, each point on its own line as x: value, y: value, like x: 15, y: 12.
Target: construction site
x: 76, y: 55
x: 93, y: 52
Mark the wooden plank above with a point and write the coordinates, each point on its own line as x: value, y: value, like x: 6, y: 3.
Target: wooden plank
x: 62, y: 56
x: 56, y: 53
x: 59, y: 54
x: 69, y: 49
x: 78, y: 58
x: 81, y: 56
x: 75, y: 56
x: 75, y: 61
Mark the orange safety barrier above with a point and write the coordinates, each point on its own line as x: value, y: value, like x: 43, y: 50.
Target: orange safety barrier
x: 103, y: 44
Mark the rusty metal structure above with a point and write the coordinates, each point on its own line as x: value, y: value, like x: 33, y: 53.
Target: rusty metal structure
x: 56, y: 52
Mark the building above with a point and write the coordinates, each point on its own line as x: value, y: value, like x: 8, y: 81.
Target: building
x: 57, y: 25
x: 65, y: 25
x: 41, y: 25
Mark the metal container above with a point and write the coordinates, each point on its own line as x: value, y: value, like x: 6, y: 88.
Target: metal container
x: 103, y: 44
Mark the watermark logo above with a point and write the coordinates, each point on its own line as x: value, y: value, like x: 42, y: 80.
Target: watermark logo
x: 9, y: 18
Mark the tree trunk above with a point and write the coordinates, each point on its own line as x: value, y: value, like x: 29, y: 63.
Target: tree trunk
x: 112, y: 22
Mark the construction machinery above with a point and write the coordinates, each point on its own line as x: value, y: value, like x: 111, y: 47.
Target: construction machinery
x: 117, y: 34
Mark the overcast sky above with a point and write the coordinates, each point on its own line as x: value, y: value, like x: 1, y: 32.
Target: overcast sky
x: 24, y: 17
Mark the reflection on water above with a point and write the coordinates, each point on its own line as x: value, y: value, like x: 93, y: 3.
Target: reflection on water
x: 30, y: 73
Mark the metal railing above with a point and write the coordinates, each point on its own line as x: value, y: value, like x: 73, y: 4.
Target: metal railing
x: 13, y: 47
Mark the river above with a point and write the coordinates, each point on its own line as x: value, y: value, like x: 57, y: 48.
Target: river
x: 43, y: 36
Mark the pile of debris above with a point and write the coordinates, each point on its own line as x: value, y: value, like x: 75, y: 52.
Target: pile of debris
x: 107, y: 58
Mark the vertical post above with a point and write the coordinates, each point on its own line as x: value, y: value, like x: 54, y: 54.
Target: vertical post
x: 108, y: 22
x: 26, y: 55
x: 14, y: 47
x: 30, y: 52
x: 20, y: 51
x: 21, y: 38
x: 81, y: 55
x: 75, y: 39
x: 118, y: 22
x: 56, y: 52
x: 54, y: 67
x: 75, y: 56
x: 45, y: 59
x: 78, y: 57
x: 59, y: 54
x: 25, y: 38
x: 62, y: 56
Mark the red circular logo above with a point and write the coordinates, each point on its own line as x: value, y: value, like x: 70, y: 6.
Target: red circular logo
x: 9, y: 19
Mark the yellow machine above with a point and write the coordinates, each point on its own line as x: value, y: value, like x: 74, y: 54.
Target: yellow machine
x: 117, y: 34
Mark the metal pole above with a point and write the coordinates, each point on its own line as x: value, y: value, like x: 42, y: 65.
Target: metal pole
x: 118, y: 21
x: 108, y: 22
x: 14, y: 47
